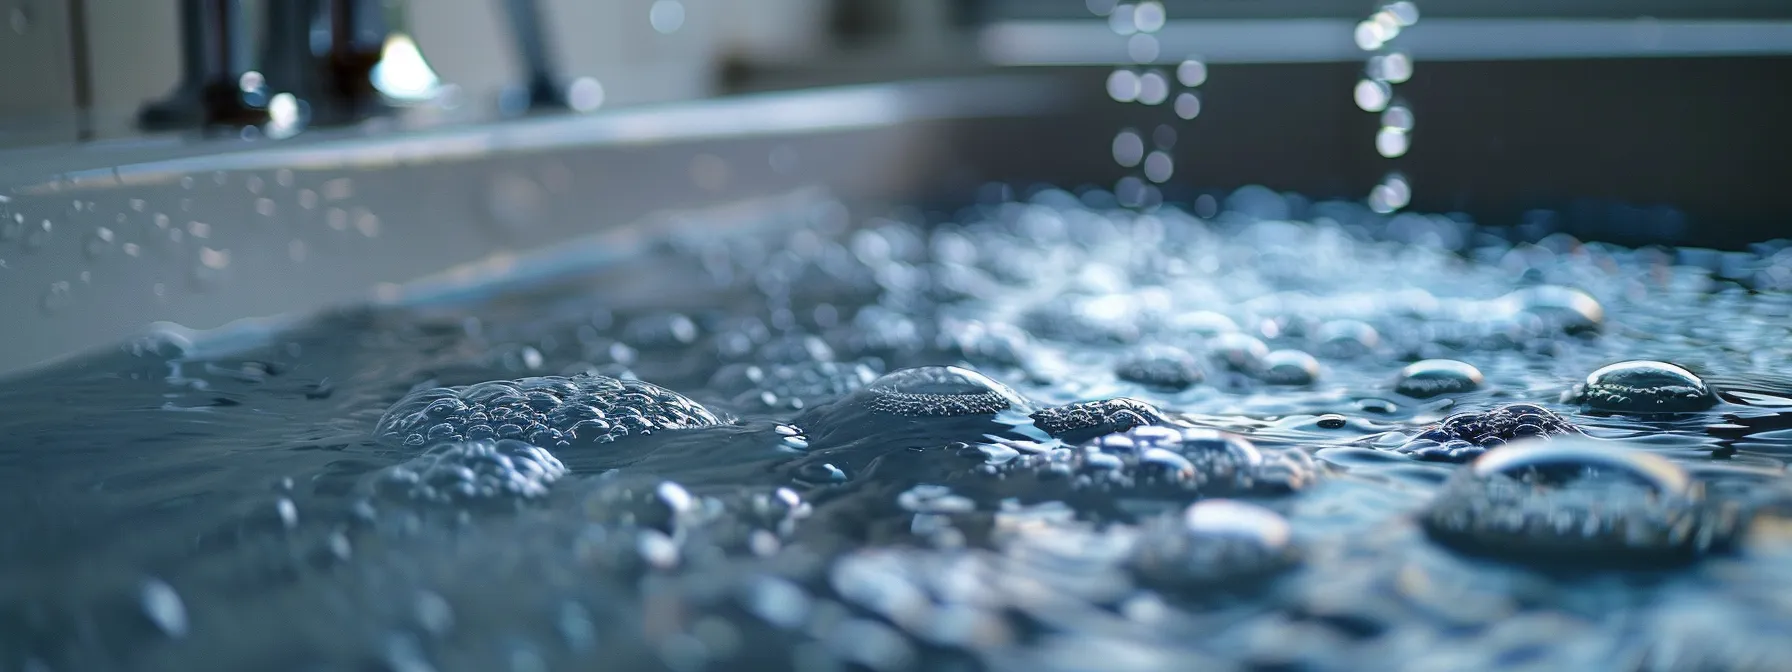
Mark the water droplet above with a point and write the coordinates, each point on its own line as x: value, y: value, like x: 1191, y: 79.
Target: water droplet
x: 1120, y: 20
x: 585, y: 94
x: 1191, y: 73
x: 1397, y: 117
x: 1123, y: 85
x: 1159, y: 167
x: 163, y: 607
x: 1289, y: 367
x: 1154, y: 88
x: 1391, y: 142
x: 1142, y: 48
x: 1148, y: 16
x: 1373, y: 96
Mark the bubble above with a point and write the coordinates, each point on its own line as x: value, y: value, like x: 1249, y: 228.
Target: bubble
x: 1465, y: 436
x: 1153, y: 88
x: 1643, y: 386
x: 1289, y: 367
x: 1164, y: 136
x: 164, y: 608
x: 1238, y: 351
x: 1215, y: 543
x: 1373, y: 96
x: 1204, y: 324
x: 99, y: 242
x: 1346, y: 339
x: 547, y: 411
x: 469, y: 471
x: 1129, y: 148
x: 1391, y: 142
x: 939, y: 391
x: 1124, y: 85
x: 1159, y: 167
x: 1188, y: 105
x: 1078, y: 422
x: 1579, y: 502
x: 1161, y: 367
x: 1193, y: 459
x: 1565, y: 309
x: 1429, y: 378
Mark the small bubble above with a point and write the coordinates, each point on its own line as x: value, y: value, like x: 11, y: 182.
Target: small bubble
x: 255, y: 184
x: 1393, y: 68
x: 1158, y: 167
x: 1154, y: 88
x: 1100, y: 7
x: 19, y: 20
x: 336, y: 218
x: 264, y: 207
x: 296, y: 250
x: 1188, y: 105
x: 1142, y: 48
x: 307, y: 199
x: 186, y: 182
x: 288, y: 512
x: 214, y: 259
x: 1372, y: 96
x: 283, y: 177
x: 199, y: 229
x: 1124, y: 85
x: 1129, y: 149
x: 220, y: 177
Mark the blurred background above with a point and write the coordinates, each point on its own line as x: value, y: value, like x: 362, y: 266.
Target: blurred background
x: 171, y: 131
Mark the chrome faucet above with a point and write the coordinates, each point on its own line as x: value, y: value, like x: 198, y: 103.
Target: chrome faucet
x: 325, y: 53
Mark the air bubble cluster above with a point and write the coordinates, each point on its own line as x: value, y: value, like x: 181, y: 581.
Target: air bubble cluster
x: 1465, y: 436
x: 481, y: 469
x: 545, y: 411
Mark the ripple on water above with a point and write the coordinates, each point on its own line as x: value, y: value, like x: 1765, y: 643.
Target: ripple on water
x: 546, y: 411
x: 1580, y: 503
x: 1191, y: 459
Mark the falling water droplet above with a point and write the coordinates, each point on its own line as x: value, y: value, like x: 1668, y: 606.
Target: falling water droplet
x: 1129, y: 149
x: 1391, y: 142
x: 1372, y: 96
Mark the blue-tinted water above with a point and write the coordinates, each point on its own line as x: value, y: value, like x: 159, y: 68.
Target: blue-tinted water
x: 1040, y: 436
